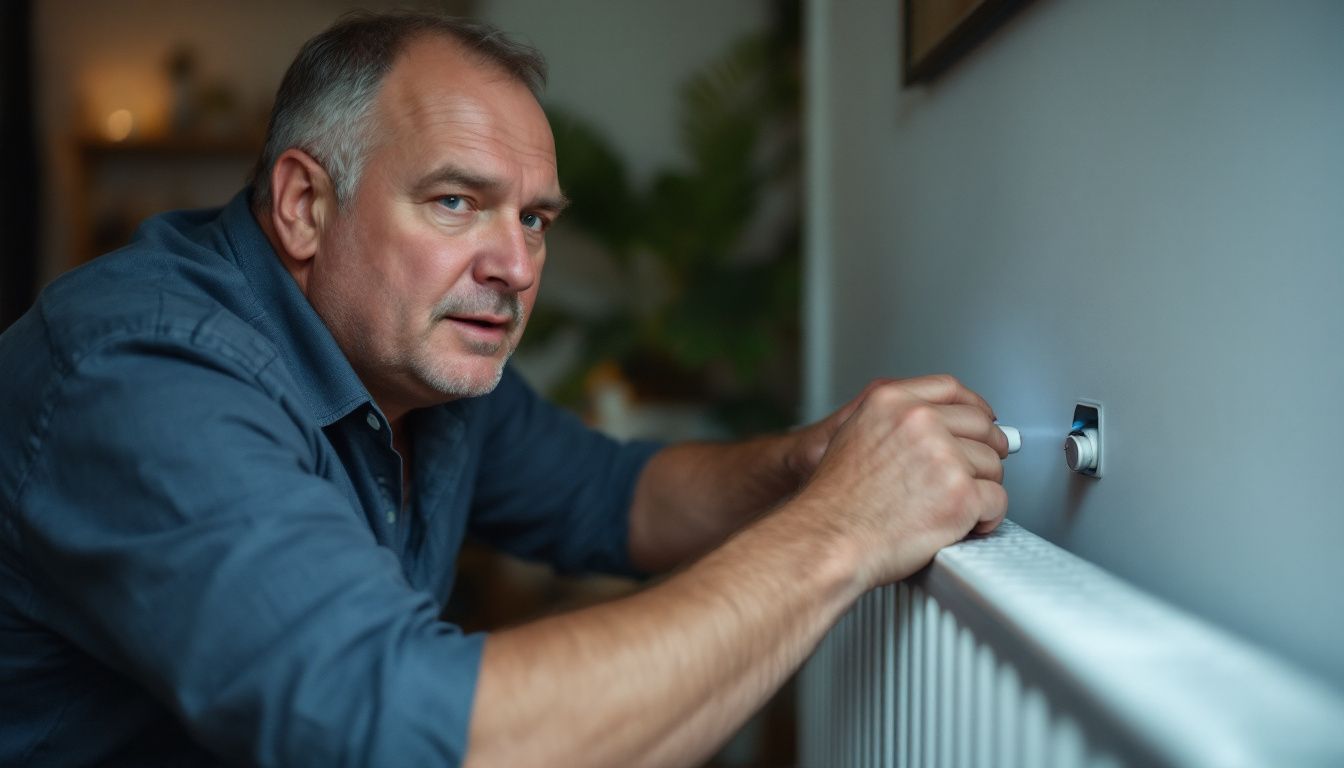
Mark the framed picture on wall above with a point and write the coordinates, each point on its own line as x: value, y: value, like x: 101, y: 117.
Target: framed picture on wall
x: 939, y: 32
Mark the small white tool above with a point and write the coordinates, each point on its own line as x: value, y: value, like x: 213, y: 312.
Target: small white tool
x: 1014, y: 437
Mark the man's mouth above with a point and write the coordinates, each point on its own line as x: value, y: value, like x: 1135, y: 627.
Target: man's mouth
x: 488, y: 322
x: 484, y: 322
x: 484, y: 333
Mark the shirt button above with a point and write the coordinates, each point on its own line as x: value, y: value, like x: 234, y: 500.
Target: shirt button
x: 373, y: 421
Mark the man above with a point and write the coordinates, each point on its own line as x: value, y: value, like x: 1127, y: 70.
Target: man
x: 240, y: 455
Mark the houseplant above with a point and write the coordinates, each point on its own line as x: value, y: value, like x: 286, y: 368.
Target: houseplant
x: 707, y: 254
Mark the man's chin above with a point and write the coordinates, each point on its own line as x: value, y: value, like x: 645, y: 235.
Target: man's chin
x: 478, y: 377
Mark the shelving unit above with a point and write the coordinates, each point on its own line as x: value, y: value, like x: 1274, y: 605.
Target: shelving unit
x: 118, y: 184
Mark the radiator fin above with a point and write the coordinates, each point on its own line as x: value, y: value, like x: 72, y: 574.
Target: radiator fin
x: 1009, y: 652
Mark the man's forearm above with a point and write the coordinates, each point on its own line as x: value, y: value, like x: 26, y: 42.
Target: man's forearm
x: 664, y: 676
x: 692, y: 496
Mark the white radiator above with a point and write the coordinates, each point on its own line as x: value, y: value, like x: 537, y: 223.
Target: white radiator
x: 1009, y: 651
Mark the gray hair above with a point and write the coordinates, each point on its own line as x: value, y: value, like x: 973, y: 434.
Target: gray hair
x: 325, y: 102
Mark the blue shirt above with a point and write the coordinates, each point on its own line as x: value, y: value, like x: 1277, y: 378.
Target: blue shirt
x: 204, y: 551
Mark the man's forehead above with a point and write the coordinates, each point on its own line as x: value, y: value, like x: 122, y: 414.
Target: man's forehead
x: 435, y: 87
x: 434, y: 70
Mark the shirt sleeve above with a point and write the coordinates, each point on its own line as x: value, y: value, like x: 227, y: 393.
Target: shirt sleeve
x: 176, y: 530
x: 551, y: 488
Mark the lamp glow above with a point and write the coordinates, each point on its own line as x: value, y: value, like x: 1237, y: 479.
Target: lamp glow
x: 119, y: 125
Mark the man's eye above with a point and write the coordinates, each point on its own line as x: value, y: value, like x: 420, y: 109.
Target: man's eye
x: 534, y: 222
x: 453, y: 202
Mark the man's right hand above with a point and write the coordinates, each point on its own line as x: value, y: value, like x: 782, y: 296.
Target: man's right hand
x: 915, y: 467
x: 666, y: 675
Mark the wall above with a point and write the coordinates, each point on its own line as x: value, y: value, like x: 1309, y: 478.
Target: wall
x: 1140, y: 203
x: 621, y: 63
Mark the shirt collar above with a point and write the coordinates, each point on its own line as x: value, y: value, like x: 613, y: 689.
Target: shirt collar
x: 329, y: 385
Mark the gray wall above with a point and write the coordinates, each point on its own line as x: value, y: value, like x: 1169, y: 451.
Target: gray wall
x: 1137, y: 202
x: 620, y: 64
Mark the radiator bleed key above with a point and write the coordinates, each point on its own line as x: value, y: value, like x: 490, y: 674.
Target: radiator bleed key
x: 1014, y: 437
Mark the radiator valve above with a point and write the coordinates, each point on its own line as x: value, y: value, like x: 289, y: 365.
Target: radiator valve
x: 1080, y: 450
x: 1083, y: 445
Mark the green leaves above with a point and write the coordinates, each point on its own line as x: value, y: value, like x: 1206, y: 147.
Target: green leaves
x: 594, y: 176
x: 724, y: 326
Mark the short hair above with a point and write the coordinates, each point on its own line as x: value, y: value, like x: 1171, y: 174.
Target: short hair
x: 325, y: 102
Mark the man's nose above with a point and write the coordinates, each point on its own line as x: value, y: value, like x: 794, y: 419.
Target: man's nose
x: 506, y: 261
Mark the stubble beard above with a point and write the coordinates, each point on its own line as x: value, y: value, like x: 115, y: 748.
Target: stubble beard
x: 456, y: 382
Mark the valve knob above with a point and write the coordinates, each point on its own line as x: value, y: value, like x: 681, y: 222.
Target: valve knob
x: 1080, y: 450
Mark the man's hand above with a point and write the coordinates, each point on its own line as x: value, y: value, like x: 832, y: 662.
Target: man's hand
x: 692, y: 496
x: 666, y: 675
x: 808, y: 443
x: 905, y: 469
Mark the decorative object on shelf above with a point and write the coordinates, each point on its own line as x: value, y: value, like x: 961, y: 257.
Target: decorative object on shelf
x: 209, y: 109
x: 117, y: 184
x: 219, y: 110
x: 181, y: 68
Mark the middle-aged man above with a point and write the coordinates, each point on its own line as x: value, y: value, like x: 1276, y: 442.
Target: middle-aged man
x: 239, y: 456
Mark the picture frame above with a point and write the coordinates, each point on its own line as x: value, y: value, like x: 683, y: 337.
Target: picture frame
x: 937, y: 33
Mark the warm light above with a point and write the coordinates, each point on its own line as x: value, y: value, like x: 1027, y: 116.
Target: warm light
x: 119, y: 125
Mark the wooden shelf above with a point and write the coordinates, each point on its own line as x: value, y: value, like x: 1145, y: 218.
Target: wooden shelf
x: 143, y: 169
x: 173, y: 146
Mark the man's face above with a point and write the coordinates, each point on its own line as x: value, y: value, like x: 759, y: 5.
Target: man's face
x: 428, y: 276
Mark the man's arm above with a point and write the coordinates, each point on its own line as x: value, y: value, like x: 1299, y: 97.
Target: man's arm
x: 174, y: 527
x: 692, y: 496
x: 663, y: 677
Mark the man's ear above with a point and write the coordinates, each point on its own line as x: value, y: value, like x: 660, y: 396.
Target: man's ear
x: 302, y: 200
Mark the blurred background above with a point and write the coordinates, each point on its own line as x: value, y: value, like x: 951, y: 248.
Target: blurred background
x: 677, y: 136
x: 1130, y: 203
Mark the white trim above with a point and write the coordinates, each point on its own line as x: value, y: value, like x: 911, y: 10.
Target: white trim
x: 1159, y: 680
x: 817, y: 174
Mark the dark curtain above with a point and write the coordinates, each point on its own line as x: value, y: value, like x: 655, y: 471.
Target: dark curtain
x: 19, y: 181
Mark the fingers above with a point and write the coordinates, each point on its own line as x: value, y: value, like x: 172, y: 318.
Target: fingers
x: 941, y: 389
x: 945, y: 390
x: 981, y: 443
x: 972, y: 423
x: 993, y: 506
x: 914, y: 455
x: 842, y: 415
x: 813, y: 440
x: 918, y: 455
x: 985, y: 463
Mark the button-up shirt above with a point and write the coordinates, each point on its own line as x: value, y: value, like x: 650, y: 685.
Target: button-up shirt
x: 205, y: 553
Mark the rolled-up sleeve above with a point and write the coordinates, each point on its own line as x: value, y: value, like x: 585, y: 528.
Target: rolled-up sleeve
x: 176, y: 528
